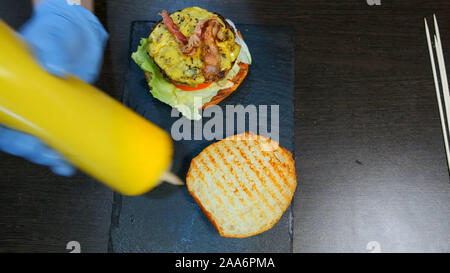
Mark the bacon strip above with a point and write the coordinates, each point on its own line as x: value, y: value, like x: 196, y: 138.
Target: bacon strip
x: 210, y: 52
x: 194, y: 41
x: 173, y: 28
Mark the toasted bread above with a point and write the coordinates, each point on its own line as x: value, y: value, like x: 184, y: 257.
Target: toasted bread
x: 243, y: 187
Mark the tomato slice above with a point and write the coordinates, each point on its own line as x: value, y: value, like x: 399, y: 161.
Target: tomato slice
x: 192, y: 88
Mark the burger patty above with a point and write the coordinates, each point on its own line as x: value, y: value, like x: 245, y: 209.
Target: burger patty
x: 187, y: 70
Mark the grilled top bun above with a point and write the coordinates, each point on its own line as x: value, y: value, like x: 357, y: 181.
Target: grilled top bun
x: 243, y: 183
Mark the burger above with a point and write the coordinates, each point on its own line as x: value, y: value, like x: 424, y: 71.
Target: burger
x: 193, y: 58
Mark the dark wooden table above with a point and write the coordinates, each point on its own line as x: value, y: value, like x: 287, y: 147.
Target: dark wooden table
x: 369, y: 152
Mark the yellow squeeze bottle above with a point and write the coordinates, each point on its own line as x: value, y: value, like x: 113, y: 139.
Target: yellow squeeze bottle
x: 93, y: 131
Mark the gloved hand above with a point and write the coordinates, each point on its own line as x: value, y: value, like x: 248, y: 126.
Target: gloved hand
x: 65, y: 39
x: 33, y: 149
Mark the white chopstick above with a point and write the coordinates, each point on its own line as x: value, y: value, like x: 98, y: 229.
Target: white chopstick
x: 444, y: 81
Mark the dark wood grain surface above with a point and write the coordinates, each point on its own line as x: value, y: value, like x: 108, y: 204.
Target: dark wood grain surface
x: 369, y: 150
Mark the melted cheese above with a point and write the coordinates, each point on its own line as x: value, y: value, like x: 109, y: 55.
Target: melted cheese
x: 183, y: 69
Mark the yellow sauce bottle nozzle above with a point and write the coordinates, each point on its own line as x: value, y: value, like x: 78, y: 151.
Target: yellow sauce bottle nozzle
x: 93, y: 131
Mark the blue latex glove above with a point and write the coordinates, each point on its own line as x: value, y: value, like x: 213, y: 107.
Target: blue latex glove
x: 33, y: 149
x: 65, y: 39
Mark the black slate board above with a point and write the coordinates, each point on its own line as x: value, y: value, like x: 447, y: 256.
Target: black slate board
x: 167, y: 219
